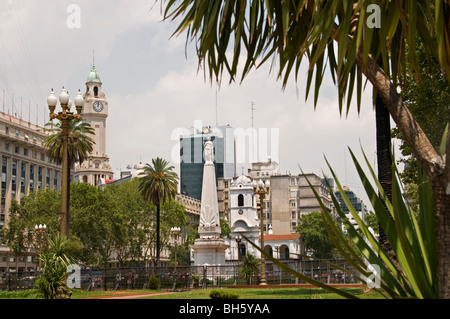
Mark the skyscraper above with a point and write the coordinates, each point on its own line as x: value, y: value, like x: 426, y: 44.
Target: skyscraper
x: 192, y: 161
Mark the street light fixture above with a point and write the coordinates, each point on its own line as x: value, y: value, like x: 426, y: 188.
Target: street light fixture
x: 40, y: 233
x: 238, y: 243
x: 262, y: 189
x: 65, y: 116
x: 175, y: 232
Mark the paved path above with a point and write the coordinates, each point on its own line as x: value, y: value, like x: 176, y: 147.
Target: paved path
x: 132, y: 296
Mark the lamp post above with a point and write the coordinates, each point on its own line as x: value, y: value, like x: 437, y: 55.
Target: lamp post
x: 65, y: 116
x: 175, y: 232
x: 40, y: 233
x: 238, y: 243
x: 262, y: 189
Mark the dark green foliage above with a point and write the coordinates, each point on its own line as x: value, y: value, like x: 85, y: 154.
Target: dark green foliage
x: 223, y: 294
x: 153, y: 282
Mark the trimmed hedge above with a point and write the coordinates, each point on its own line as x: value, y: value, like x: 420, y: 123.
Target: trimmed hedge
x: 223, y: 294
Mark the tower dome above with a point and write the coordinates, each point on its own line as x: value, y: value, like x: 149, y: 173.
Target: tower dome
x: 93, y: 75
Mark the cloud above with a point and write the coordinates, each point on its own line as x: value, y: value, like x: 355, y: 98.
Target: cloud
x: 153, y: 89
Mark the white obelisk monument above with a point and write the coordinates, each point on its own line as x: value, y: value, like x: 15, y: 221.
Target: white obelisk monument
x: 210, y: 248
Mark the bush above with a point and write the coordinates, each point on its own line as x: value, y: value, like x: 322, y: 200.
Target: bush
x: 223, y: 294
x: 153, y: 282
x: 195, y: 280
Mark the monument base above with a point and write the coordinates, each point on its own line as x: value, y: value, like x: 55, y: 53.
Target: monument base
x: 210, y: 251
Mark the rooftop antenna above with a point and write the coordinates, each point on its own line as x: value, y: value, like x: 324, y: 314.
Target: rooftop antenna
x: 253, y: 109
x: 217, y: 88
x: 253, y: 154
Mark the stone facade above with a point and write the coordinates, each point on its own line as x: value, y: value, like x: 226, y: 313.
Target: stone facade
x: 96, y: 169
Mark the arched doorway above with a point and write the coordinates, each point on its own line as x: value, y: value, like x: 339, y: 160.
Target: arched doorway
x: 284, y: 252
x: 268, y: 249
x: 242, y: 251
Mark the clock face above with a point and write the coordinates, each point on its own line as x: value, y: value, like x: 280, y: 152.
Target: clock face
x: 240, y: 211
x: 98, y: 106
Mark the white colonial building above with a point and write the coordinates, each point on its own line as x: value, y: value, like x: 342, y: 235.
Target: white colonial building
x: 244, y: 221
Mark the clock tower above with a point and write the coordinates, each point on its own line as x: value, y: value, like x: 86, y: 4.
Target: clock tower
x: 96, y: 168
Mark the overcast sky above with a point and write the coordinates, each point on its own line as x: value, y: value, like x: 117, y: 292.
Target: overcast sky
x: 153, y: 86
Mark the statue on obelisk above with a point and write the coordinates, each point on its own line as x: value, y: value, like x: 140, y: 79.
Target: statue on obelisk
x: 210, y: 248
x: 209, y: 212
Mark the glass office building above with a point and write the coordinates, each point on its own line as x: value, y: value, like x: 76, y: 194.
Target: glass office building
x: 192, y: 161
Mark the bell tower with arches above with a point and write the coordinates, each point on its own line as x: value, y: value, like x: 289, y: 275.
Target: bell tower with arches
x: 244, y: 219
x: 96, y: 169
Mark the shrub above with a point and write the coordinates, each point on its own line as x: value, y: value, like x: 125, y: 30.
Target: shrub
x: 223, y: 294
x: 153, y: 282
x: 52, y: 280
x: 195, y: 280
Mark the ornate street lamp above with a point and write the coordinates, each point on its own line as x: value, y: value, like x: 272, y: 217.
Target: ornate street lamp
x: 238, y: 243
x: 262, y: 189
x: 65, y: 116
x: 40, y: 233
x: 175, y: 232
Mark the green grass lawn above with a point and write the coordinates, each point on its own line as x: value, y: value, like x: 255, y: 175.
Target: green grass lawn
x: 272, y: 293
x: 244, y: 293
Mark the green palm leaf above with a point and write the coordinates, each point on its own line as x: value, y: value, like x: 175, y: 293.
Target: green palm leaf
x: 80, y: 142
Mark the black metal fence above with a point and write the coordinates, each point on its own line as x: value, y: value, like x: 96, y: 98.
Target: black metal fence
x: 191, y: 277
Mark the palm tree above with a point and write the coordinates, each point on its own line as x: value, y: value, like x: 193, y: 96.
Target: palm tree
x: 157, y: 185
x: 335, y: 36
x: 80, y: 144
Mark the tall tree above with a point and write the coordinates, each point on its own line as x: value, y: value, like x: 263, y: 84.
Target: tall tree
x: 79, y: 141
x: 158, y: 184
x: 346, y: 37
x: 79, y: 146
x: 314, y: 235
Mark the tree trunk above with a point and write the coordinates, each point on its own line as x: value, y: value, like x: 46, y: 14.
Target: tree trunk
x: 158, y: 243
x: 442, y: 206
x: 384, y: 160
x: 436, y: 169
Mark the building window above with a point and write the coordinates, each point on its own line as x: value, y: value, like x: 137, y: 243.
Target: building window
x: 23, y: 171
x: 40, y: 177
x: 240, y: 200
x: 95, y: 91
x: 47, y: 179
x: 55, y: 180
x: 31, y: 177
x: 14, y: 179
x: 25, y: 151
x: 17, y: 149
